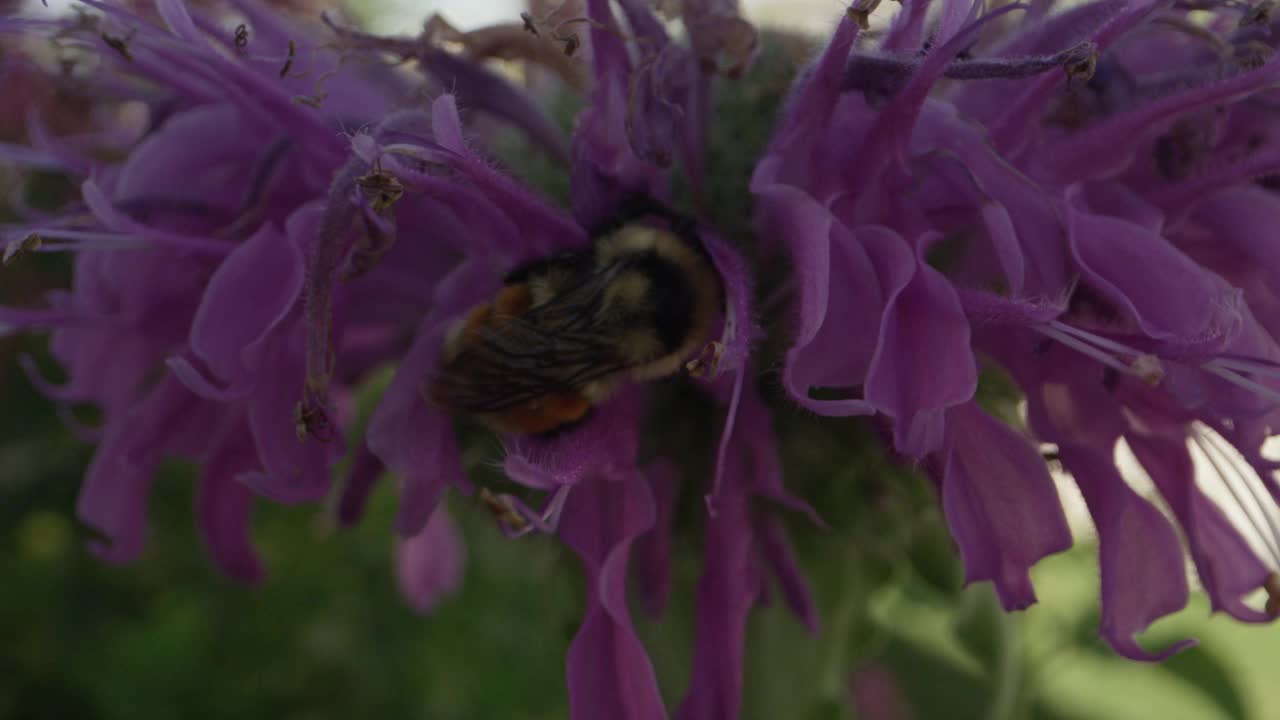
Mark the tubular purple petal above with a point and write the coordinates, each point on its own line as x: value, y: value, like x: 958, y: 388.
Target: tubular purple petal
x: 430, y: 565
x: 609, y: 673
x: 1000, y: 503
x: 1141, y: 559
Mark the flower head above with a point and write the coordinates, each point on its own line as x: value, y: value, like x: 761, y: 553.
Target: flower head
x: 291, y: 214
x: 273, y: 213
x: 1074, y: 220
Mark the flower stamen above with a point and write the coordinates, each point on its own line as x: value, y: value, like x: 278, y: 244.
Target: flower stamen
x: 1272, y: 587
x: 860, y: 12
x: 1096, y: 347
x: 288, y: 60
x: 1243, y: 486
x: 20, y: 247
x: 1219, y: 368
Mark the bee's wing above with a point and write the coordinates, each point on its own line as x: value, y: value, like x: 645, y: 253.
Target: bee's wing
x: 555, y: 347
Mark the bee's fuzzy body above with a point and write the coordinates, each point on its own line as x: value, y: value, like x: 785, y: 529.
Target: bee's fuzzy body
x: 565, y: 330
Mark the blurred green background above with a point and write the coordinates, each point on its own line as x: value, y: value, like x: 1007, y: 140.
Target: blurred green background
x: 328, y: 637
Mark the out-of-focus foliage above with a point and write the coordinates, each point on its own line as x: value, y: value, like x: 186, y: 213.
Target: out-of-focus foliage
x: 328, y: 637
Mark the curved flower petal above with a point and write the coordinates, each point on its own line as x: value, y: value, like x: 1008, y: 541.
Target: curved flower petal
x: 1227, y: 567
x: 605, y: 168
x: 1174, y: 300
x: 224, y: 505
x: 414, y: 439
x: 430, y: 564
x: 923, y: 364
x: 295, y: 468
x: 653, y: 549
x: 1143, y: 577
x: 242, y: 304
x: 609, y: 673
x: 608, y: 443
x: 778, y: 553
x: 1000, y: 504
x: 726, y: 594
x: 113, y: 499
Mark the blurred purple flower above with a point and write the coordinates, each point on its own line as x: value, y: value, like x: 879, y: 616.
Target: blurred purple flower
x: 876, y: 695
x: 1076, y: 206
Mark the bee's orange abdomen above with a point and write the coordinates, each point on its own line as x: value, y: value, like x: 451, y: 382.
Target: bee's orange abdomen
x: 477, y: 317
x: 545, y: 413
x: 512, y: 300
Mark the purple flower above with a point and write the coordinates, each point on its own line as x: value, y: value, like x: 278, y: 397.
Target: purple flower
x: 1084, y: 219
x: 285, y: 222
x: 876, y: 695
x: 1069, y: 200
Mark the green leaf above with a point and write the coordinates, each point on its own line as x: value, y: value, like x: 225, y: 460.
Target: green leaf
x: 979, y: 624
x: 1199, y: 668
x: 932, y: 555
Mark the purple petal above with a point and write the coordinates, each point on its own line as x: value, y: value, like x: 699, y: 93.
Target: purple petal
x: 210, y: 137
x: 249, y: 295
x: 726, y: 595
x: 653, y: 549
x: 739, y: 331
x: 1016, y: 122
x: 605, y: 168
x: 725, y: 43
x: 1242, y: 219
x: 1227, y: 567
x: 609, y: 673
x: 883, y: 146
x: 1023, y: 225
x: 487, y: 91
x: 296, y: 469
x: 1107, y: 147
x: 1174, y: 300
x: 1067, y: 402
x: 874, y: 690
x: 414, y: 439
x: 111, y: 217
x: 923, y: 364
x: 610, y: 440
x: 542, y: 229
x: 430, y: 565
x: 731, y: 583
x: 988, y: 308
x: 175, y: 15
x: 866, y: 270
x: 1143, y: 576
x: 1000, y: 503
x: 811, y: 102
x: 113, y: 498
x: 778, y: 553
x: 224, y: 506
x: 365, y: 470
x: 656, y: 117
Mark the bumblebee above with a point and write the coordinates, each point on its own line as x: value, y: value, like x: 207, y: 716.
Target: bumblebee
x: 566, y: 330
